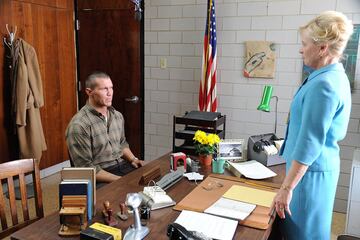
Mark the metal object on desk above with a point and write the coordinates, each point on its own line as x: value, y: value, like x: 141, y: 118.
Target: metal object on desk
x: 256, y: 151
x: 176, y: 160
x: 137, y: 232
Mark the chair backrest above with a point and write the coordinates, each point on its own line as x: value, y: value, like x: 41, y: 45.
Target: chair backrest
x: 9, y: 171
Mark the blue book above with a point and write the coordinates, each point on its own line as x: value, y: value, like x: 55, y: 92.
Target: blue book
x: 77, y: 187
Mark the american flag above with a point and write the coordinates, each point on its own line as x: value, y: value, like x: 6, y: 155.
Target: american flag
x: 207, y: 91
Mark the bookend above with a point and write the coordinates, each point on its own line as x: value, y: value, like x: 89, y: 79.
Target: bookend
x: 152, y: 174
x: 73, y: 215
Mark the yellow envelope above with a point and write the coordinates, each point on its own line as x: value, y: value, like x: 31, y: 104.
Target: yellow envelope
x: 250, y: 195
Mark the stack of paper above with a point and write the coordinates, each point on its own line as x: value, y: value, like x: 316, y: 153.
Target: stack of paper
x: 250, y: 195
x: 231, y: 209
x: 194, y: 176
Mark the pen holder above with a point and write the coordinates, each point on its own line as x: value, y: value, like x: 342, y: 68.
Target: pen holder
x: 218, y: 165
x: 145, y: 212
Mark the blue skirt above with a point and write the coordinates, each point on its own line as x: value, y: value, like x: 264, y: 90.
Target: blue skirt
x: 311, y: 207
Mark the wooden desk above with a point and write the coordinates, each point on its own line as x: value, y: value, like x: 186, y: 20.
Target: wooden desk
x: 48, y: 227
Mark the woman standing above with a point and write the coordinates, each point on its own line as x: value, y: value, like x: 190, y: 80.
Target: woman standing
x: 319, y: 116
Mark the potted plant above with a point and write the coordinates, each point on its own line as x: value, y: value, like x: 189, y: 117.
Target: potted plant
x: 205, y: 146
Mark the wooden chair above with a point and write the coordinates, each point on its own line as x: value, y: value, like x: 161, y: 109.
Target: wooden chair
x: 347, y: 237
x: 18, y: 169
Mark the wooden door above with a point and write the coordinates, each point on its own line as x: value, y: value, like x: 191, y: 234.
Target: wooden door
x: 48, y: 26
x: 110, y: 39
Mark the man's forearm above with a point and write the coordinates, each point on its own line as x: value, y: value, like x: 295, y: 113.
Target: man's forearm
x: 104, y: 176
x: 128, y: 155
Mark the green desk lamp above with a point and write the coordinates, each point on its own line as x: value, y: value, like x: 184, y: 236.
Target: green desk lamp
x: 265, y: 102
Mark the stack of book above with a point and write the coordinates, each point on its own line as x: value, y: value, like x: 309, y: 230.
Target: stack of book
x: 77, y: 184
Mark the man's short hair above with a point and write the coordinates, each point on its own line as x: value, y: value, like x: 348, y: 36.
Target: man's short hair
x: 91, y: 79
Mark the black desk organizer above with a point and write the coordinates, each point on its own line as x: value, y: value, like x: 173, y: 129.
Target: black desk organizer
x: 254, y: 151
x: 185, y: 127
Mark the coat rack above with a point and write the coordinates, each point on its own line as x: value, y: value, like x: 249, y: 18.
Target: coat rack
x: 11, y: 36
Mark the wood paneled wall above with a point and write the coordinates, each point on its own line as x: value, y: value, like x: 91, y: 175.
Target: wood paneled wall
x: 48, y: 25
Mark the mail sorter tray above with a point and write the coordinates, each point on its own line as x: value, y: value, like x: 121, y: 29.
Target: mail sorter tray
x: 261, y: 156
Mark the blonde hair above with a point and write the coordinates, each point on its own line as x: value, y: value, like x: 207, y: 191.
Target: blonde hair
x: 332, y: 28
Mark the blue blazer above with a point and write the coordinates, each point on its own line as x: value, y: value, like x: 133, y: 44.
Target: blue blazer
x: 319, y: 116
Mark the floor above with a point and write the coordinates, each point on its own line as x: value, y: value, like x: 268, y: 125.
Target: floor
x: 51, y: 204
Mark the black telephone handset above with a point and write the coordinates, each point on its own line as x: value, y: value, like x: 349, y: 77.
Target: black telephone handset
x: 175, y: 232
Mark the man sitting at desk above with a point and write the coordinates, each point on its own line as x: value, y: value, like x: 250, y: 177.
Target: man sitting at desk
x: 95, y: 136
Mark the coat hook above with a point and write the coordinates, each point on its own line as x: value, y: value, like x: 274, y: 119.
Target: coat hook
x: 11, y: 34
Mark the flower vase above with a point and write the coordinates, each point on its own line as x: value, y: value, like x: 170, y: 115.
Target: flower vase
x: 205, y: 160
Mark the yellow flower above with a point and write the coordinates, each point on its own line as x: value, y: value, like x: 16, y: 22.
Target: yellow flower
x: 200, y: 137
x: 205, y: 143
x: 213, y: 139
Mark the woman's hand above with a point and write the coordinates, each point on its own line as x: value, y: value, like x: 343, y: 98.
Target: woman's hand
x: 282, y: 201
x: 283, y: 197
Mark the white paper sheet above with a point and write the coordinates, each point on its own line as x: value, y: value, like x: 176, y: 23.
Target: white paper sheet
x: 230, y: 209
x: 194, y: 176
x: 253, y: 169
x: 211, y: 226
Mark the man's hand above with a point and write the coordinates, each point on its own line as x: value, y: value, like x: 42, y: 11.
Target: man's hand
x: 137, y: 163
x: 129, y: 156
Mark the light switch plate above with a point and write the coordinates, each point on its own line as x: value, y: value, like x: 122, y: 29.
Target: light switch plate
x: 163, y: 62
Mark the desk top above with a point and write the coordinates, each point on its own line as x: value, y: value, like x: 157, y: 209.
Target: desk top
x: 48, y: 227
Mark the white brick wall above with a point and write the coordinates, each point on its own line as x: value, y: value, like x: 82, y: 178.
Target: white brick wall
x: 174, y: 30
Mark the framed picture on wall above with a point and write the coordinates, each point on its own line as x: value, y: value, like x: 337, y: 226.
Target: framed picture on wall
x: 260, y: 59
x: 231, y: 150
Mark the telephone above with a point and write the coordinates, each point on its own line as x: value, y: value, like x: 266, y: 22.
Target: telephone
x: 176, y: 232
x: 155, y: 198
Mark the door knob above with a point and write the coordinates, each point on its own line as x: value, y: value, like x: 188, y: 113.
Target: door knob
x: 133, y: 99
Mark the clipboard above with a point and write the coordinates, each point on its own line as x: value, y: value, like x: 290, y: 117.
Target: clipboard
x: 214, y: 186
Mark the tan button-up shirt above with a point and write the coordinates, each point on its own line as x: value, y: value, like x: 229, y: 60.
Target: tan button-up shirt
x: 94, y: 141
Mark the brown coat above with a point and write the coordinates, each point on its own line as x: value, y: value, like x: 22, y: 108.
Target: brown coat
x: 29, y: 99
